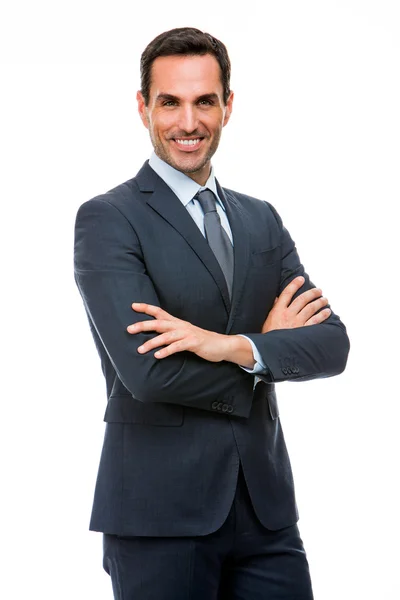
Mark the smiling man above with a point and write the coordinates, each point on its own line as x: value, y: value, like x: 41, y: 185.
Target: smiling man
x: 198, y: 305
x: 186, y: 111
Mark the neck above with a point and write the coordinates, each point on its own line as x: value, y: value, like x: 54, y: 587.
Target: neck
x: 201, y: 176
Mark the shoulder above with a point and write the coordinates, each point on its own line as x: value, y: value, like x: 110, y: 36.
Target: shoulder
x: 126, y: 196
x: 116, y: 197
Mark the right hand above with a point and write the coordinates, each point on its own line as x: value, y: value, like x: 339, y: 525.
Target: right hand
x: 286, y: 314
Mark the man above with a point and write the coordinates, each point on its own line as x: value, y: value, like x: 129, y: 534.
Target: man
x: 198, y: 305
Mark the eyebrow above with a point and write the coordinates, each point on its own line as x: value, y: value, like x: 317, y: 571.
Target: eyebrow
x: 171, y: 97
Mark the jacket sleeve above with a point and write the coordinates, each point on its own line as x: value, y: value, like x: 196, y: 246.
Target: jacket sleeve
x: 111, y: 274
x: 303, y: 353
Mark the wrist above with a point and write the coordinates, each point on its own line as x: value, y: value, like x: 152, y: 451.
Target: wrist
x: 239, y: 351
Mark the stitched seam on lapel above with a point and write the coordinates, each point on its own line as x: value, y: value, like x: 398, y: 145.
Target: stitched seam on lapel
x: 236, y: 299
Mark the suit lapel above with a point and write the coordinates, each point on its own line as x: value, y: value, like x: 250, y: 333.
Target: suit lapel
x: 170, y: 208
x: 241, y: 228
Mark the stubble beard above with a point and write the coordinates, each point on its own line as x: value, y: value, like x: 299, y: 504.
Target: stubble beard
x: 163, y: 153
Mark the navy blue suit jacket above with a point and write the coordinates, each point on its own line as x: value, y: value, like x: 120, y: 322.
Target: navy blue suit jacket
x: 177, y: 428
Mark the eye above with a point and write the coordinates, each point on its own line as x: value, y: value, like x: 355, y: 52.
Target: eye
x: 169, y: 103
x: 206, y: 102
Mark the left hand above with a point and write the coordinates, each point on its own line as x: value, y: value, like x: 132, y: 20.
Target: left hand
x: 178, y: 335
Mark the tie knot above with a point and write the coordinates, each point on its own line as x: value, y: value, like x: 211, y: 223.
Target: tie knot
x: 207, y: 201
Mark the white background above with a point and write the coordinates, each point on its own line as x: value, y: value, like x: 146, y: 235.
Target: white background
x: 315, y: 131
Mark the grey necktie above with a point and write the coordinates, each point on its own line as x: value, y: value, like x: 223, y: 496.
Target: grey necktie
x: 216, y: 235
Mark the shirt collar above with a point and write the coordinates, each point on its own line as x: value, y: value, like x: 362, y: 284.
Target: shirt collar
x: 183, y: 186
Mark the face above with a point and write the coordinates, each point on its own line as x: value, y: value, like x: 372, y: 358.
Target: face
x: 186, y: 112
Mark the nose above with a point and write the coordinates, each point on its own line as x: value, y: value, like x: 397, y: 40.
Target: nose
x: 188, y: 118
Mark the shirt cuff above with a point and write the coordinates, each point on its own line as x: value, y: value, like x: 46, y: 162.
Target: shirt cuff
x: 259, y: 367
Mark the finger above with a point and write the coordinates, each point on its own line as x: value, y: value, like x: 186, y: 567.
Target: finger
x: 179, y: 346
x: 160, y: 340
x: 312, y: 308
x: 319, y: 318
x: 289, y: 291
x: 305, y: 298
x: 159, y: 325
x: 150, y: 309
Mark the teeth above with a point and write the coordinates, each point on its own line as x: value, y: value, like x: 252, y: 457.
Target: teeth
x: 188, y: 142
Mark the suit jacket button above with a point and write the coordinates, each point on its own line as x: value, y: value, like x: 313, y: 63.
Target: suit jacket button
x: 289, y: 370
x: 224, y: 407
x: 284, y: 371
x: 219, y: 406
x: 230, y: 408
x: 214, y: 405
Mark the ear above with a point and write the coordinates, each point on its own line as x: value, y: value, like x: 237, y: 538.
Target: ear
x: 228, y: 109
x: 142, y: 109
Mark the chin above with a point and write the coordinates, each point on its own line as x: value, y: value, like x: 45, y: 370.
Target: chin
x: 188, y: 165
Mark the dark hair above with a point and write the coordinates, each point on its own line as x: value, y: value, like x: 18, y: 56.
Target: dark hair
x: 185, y: 41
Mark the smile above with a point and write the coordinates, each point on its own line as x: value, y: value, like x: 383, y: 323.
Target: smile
x: 188, y: 142
x: 188, y: 145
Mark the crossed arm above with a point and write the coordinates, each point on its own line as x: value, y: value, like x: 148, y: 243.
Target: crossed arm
x: 110, y: 273
x: 176, y: 335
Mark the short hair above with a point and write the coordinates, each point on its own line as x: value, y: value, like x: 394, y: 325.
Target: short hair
x: 184, y: 41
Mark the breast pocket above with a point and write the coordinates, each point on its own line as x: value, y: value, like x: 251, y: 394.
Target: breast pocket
x: 263, y: 258
x: 126, y: 409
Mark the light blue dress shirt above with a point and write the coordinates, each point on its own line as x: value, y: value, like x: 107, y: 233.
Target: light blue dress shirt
x: 185, y: 189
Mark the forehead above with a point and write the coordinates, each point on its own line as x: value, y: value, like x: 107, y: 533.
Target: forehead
x: 185, y: 76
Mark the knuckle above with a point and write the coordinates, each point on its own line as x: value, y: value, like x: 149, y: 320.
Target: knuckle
x: 309, y: 311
